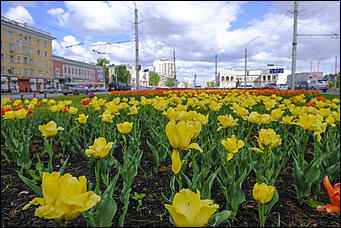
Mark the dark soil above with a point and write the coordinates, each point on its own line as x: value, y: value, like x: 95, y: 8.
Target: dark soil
x: 15, y: 194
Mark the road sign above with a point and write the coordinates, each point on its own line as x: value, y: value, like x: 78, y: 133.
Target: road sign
x: 276, y: 71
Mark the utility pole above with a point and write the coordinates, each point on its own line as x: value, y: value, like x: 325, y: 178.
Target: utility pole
x: 137, y: 50
x: 175, y: 84
x: 294, y: 43
x: 245, y: 65
x: 311, y: 66
x: 216, y: 76
x: 335, y: 66
x: 318, y: 65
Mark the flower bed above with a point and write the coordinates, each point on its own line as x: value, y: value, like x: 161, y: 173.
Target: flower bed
x: 218, y: 144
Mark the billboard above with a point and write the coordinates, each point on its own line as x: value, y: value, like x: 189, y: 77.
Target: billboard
x: 315, y: 75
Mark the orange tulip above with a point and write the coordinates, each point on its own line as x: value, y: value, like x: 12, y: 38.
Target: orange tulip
x: 334, y: 196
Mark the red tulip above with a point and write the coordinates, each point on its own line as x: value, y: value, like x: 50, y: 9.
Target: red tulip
x: 334, y: 196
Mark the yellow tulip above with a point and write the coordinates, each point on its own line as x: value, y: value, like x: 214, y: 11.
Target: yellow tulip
x: 64, y: 197
x: 324, y: 112
x: 254, y: 118
x: 106, y: 117
x: 265, y: 118
x: 268, y: 138
x: 73, y: 110
x: 263, y: 193
x: 227, y: 121
x: 51, y: 102
x: 124, y: 128
x: 276, y: 114
x: 287, y: 120
x: 99, y: 149
x: 176, y: 162
x: 330, y: 120
x: 133, y: 110
x: 232, y: 145
x: 82, y: 118
x: 180, y: 135
x: 44, y: 100
x: 202, y: 118
x: 50, y: 129
x: 310, y: 122
x: 215, y: 107
x: 21, y: 114
x: 187, y: 210
x: 9, y: 115
x: 54, y: 108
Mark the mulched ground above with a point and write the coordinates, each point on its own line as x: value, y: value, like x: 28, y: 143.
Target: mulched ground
x: 15, y: 194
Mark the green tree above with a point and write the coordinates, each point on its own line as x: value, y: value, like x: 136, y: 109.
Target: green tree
x: 123, y: 75
x: 186, y: 84
x: 154, y: 79
x: 171, y: 82
x: 210, y: 84
x: 105, y: 63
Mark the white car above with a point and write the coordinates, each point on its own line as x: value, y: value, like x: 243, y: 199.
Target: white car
x: 49, y: 89
x: 282, y: 87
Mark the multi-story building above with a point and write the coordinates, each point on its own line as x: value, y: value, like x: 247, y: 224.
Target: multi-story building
x: 26, y: 57
x: 164, y: 68
x: 256, y: 78
x: 69, y: 70
x: 143, y: 76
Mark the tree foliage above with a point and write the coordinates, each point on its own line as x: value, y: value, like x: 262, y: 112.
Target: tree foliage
x: 123, y: 75
x: 105, y: 63
x: 171, y: 82
x: 154, y: 79
x: 210, y: 84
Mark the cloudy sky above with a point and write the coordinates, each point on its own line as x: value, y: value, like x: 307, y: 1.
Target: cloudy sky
x: 195, y: 30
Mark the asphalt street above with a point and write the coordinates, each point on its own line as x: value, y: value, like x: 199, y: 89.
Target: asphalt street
x: 50, y: 95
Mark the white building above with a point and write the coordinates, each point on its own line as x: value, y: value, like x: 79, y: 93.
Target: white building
x: 256, y: 77
x: 164, y: 68
x: 143, y: 76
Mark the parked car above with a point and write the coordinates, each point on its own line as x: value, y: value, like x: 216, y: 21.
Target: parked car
x: 49, y: 89
x: 319, y: 85
x: 243, y: 86
x: 282, y: 87
x: 74, y: 88
x: 118, y: 86
x: 301, y: 85
x: 271, y: 85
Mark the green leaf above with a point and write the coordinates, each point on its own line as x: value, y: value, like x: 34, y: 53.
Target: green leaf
x: 216, y: 219
x: 313, y: 203
x: 37, y: 190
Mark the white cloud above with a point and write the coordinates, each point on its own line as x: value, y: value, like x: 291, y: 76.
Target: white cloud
x: 19, y: 14
x: 198, y: 30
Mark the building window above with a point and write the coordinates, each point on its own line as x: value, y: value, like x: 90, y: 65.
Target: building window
x: 32, y: 72
x: 2, y: 57
x: 39, y: 63
x: 45, y: 54
x: 25, y: 60
x: 2, y: 45
x: 38, y: 52
x: 222, y: 78
x: 274, y: 77
x: 10, y: 35
x: 47, y: 64
x: 26, y: 71
x: 20, y: 37
x: 264, y: 78
x: 18, y: 48
x: 2, y: 70
x: 45, y: 44
x: 11, y: 48
x: 31, y: 51
x: 38, y: 42
x: 11, y: 59
x: 18, y: 58
x: 30, y: 39
x: 31, y: 62
x: 227, y: 78
x: 47, y: 73
x: 24, y: 48
x: 12, y: 70
x: 269, y: 77
x: 19, y: 71
x: 40, y: 73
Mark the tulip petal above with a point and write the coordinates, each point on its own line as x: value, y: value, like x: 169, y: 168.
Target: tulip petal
x: 194, y: 146
x: 49, y: 212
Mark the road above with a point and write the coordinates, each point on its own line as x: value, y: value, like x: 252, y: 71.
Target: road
x: 49, y: 95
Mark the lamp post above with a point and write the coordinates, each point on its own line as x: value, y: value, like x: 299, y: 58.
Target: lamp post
x: 246, y: 56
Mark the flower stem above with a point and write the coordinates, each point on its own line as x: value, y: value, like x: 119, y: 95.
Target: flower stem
x: 97, y: 178
x: 261, y: 214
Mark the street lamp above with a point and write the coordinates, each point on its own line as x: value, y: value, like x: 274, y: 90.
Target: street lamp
x: 217, y: 84
x: 246, y: 56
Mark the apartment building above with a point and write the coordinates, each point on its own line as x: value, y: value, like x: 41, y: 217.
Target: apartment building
x: 257, y: 78
x: 69, y: 70
x: 164, y: 68
x: 26, y: 57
